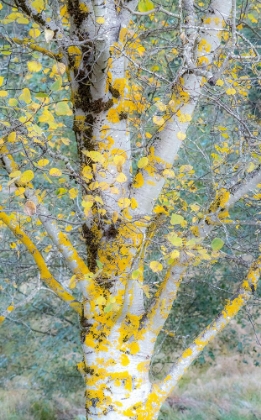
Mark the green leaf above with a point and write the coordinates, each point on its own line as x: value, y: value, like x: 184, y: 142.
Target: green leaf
x: 135, y: 274
x: 108, y: 308
x: 176, y: 219
x: 145, y: 6
x: 175, y: 240
x: 62, y: 108
x: 99, y: 264
x: 57, y: 85
x: 41, y: 95
x: 217, y: 244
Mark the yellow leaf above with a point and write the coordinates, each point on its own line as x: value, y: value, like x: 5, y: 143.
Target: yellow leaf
x: 73, y: 192
x: 161, y: 106
x: 59, y: 68
x: 125, y: 360
x: 184, y: 117
x: 46, y: 116
x: 143, y: 162
x: 145, y: 5
x: 138, y: 180
x: 119, y: 161
x: 219, y: 82
x: 158, y: 120
x: 231, y: 91
x: 156, y: 266
x: 115, y: 216
x: 136, y: 274
x: 100, y: 20
x: 251, y: 167
x: 34, y: 66
x: 12, y: 102
x: 168, y: 173
x: 181, y: 135
x: 175, y: 239
x: 95, y: 156
x: 121, y: 177
x: 68, y: 228
x: 22, y: 20
x: 12, y: 245
x: 134, y: 347
x: 194, y: 207
x: 55, y: 172
x: 176, y: 219
x: 42, y: 162
x: 101, y: 300
x: 48, y: 248
x: 134, y: 203
x: 3, y: 93
x: 98, y: 199
x: 160, y: 209
x: 124, y: 202
x: 1, y: 80
x: 175, y: 254
x: 27, y: 176
x: 25, y: 96
x: 34, y: 33
x: 12, y: 137
x: 19, y: 191
x: 15, y: 174
x: 146, y: 290
x: 122, y: 34
x: 10, y: 308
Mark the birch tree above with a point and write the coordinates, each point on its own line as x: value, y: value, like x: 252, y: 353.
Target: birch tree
x: 134, y: 79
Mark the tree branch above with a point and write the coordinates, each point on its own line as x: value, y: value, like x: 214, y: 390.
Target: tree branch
x: 182, y: 105
x: 167, y: 292
x: 72, y: 258
x: 230, y: 310
x: 35, y: 47
x: 45, y: 274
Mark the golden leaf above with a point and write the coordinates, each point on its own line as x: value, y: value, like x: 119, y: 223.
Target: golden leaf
x: 121, y: 177
x: 181, y: 135
x: 42, y: 162
x: 73, y: 192
x: 158, y: 120
x: 34, y: 66
x: 12, y: 137
x: 15, y: 174
x: 55, y: 172
x: 95, y: 156
x: 124, y: 202
x: 231, y: 91
x: 100, y: 20
x: 145, y: 5
x: 143, y: 162
x: 156, y: 266
x: 138, y: 180
x: 25, y: 96
x: 27, y: 176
